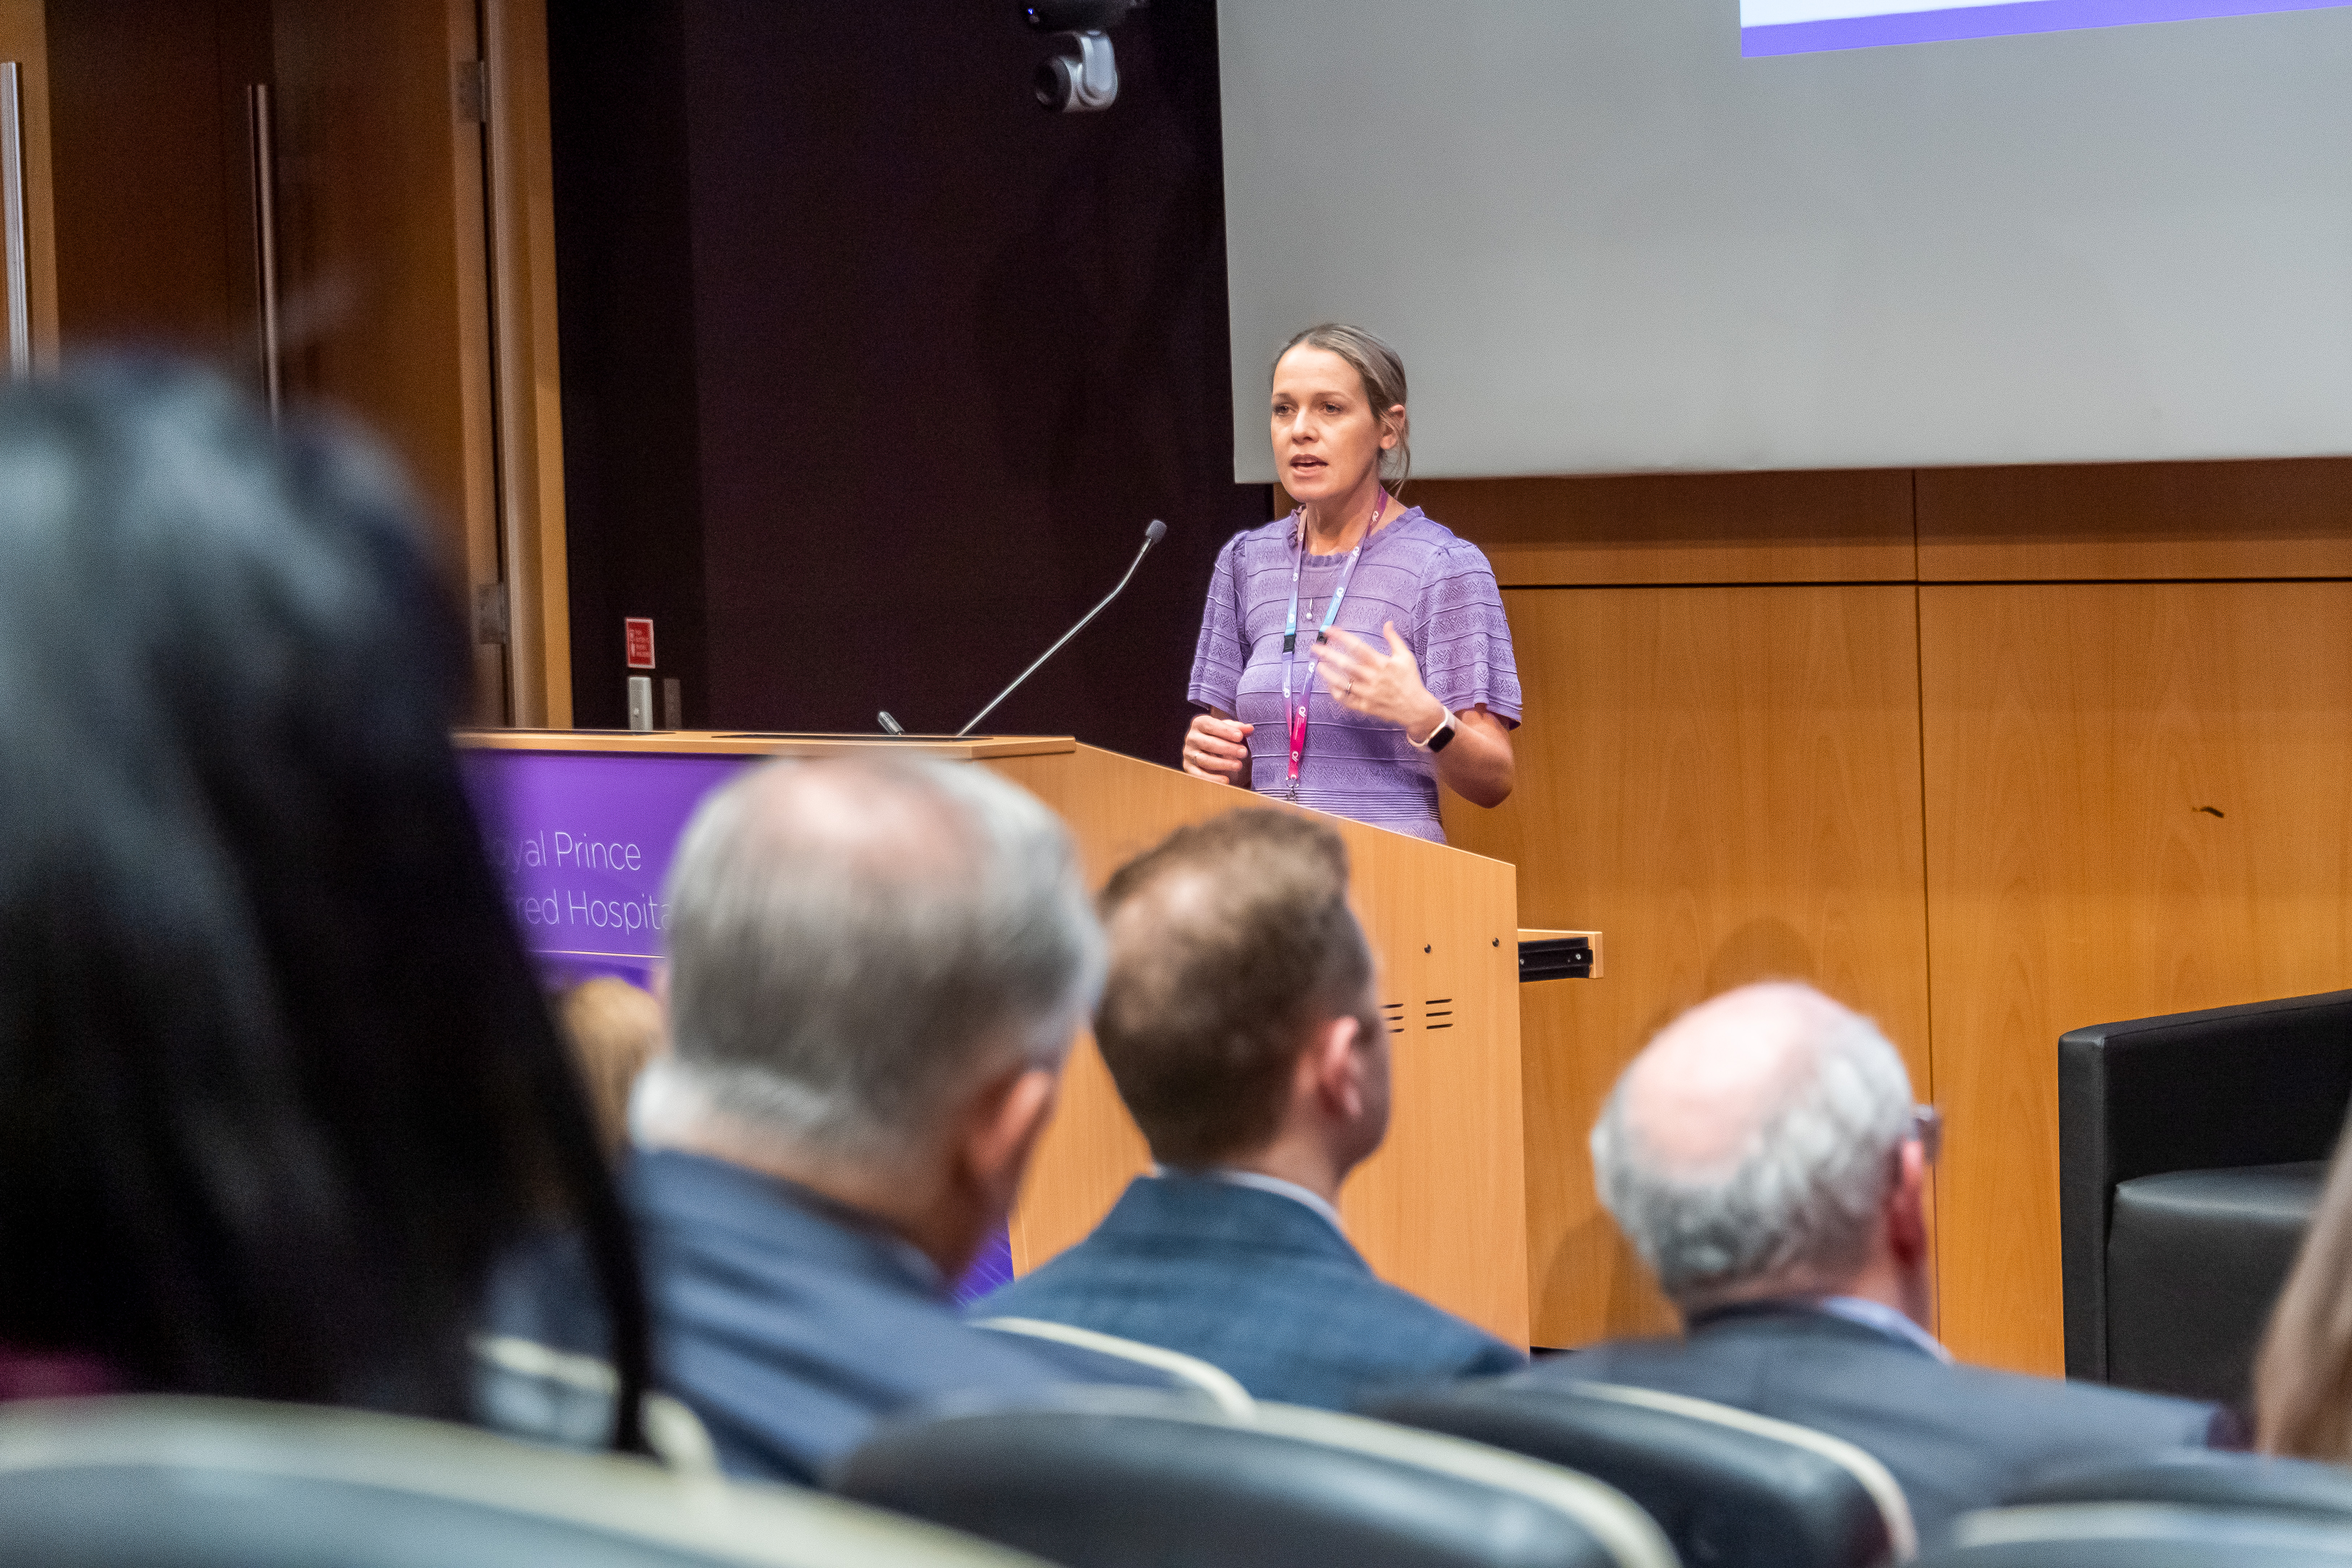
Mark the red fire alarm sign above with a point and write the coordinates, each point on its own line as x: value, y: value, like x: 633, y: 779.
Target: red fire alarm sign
x: 639, y: 632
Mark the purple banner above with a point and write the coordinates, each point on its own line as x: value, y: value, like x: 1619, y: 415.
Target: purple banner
x: 1996, y: 21
x: 584, y: 844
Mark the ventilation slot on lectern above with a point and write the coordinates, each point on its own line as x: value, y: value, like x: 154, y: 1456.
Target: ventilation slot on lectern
x: 1393, y: 1014
x: 1437, y: 1013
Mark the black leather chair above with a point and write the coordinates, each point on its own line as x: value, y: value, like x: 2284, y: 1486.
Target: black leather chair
x: 195, y: 1483
x: 2195, y: 1478
x: 1727, y: 1487
x: 2190, y: 1150
x: 1127, y: 1478
x: 2139, y: 1536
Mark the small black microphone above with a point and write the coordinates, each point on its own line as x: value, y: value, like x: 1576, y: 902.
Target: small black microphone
x: 1151, y: 536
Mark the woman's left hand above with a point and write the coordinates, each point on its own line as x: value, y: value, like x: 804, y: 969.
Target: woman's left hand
x: 1384, y: 686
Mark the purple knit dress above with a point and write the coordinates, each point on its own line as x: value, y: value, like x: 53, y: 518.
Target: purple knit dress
x: 1441, y: 593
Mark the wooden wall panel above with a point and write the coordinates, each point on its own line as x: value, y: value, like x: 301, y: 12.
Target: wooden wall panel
x: 1837, y: 526
x: 2074, y: 735
x: 385, y: 258
x: 1726, y: 781
x: 2285, y: 518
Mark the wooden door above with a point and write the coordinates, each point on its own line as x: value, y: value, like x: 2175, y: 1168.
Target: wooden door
x: 411, y: 232
x: 385, y: 301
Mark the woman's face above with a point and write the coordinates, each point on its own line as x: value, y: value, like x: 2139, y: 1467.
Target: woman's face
x: 1328, y: 439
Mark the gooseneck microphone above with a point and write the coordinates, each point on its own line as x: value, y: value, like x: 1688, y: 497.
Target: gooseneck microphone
x: 1151, y: 536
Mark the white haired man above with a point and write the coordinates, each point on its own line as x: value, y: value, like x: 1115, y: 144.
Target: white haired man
x: 876, y: 970
x: 1765, y: 1158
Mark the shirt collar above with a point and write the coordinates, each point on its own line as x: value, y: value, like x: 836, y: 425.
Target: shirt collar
x: 854, y: 1227
x: 1876, y: 1316
x: 1887, y: 1320
x: 1263, y: 1183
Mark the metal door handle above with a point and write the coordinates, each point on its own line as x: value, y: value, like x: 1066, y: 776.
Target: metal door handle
x: 12, y: 221
x: 261, y: 142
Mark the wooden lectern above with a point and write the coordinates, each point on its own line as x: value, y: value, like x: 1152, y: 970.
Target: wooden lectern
x: 1442, y: 1209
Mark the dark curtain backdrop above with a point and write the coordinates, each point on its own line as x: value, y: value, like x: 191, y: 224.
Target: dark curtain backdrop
x: 874, y: 372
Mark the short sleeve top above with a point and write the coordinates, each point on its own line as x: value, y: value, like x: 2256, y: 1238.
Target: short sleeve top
x: 1442, y: 595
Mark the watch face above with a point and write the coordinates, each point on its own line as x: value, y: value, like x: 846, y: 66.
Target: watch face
x: 1444, y: 734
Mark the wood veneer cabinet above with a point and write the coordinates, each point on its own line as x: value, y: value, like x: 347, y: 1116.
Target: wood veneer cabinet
x: 346, y: 204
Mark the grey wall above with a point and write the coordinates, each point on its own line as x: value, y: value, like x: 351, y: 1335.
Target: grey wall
x: 1606, y: 242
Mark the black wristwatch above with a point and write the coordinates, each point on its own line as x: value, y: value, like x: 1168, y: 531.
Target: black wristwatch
x: 1438, y: 737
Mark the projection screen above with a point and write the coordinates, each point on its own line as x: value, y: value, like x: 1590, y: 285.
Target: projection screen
x: 1606, y: 241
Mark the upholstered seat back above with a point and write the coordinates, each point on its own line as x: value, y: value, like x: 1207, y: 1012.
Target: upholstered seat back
x: 1726, y: 1486
x: 2196, y: 1478
x: 160, y: 1482
x: 1111, y: 1478
x: 2140, y: 1535
x: 2195, y: 1261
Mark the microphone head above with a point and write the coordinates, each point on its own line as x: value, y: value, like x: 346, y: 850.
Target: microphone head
x: 1155, y: 533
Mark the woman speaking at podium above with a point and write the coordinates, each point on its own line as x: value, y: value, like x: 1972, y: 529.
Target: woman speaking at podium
x: 1353, y: 655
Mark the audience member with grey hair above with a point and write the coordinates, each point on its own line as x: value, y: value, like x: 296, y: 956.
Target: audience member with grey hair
x: 1751, y: 1150
x: 876, y: 968
x: 1764, y: 1158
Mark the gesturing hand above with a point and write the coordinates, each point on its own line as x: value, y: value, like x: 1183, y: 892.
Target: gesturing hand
x: 1385, y: 686
x: 1217, y: 747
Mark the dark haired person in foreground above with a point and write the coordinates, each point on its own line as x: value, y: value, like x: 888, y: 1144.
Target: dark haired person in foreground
x: 1765, y: 1158
x: 1240, y: 1026
x: 876, y: 971
x: 277, y: 1085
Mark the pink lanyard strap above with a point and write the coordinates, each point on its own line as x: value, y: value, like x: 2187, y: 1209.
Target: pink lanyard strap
x: 1297, y: 712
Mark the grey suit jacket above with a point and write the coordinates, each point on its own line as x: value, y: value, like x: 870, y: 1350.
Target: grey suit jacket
x: 1254, y: 1283
x: 790, y: 1324
x: 1956, y: 1437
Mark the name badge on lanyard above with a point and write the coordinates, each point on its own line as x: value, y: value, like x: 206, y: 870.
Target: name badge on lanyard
x: 1296, y: 708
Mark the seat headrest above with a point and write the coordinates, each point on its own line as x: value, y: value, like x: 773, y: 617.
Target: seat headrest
x: 221, y: 1483
x: 1115, y: 1477
x: 2196, y: 1478
x: 1725, y: 1484
x: 2139, y: 1536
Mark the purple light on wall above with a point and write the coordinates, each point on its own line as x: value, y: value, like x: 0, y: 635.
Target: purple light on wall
x: 1995, y: 21
x: 583, y: 842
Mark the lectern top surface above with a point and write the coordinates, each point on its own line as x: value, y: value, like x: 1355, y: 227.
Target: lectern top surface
x: 723, y: 743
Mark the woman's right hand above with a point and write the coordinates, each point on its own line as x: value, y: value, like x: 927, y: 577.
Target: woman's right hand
x: 1217, y: 747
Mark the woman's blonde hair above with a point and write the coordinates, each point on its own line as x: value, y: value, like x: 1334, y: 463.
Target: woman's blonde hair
x: 1383, y: 376
x: 613, y: 1029
x: 2303, y: 1376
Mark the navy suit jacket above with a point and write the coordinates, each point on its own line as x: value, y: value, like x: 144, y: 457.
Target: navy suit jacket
x: 1254, y: 1283
x: 790, y: 1324
x: 1955, y: 1438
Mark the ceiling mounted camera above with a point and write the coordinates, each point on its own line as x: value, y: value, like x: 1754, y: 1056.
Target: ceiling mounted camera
x: 1087, y: 80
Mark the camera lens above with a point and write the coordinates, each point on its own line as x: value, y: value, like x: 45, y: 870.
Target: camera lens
x: 1055, y: 82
